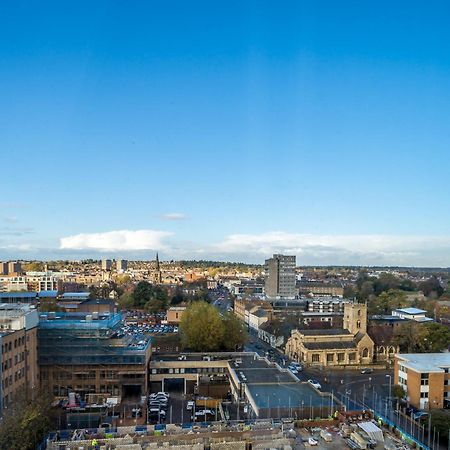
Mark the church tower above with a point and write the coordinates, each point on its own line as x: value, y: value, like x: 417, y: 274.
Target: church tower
x: 355, y: 317
x: 157, y: 275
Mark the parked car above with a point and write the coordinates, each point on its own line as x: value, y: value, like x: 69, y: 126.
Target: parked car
x: 293, y: 369
x: 190, y: 405
x: 420, y: 415
x: 367, y: 370
x: 312, y: 441
x: 315, y: 383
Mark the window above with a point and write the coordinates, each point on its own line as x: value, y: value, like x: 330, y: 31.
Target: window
x: 352, y: 356
x: 330, y: 357
x: 341, y: 357
x: 424, y: 395
x: 315, y: 357
x: 424, y: 379
x: 365, y: 352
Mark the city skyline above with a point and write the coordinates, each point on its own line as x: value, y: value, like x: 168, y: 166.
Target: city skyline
x: 229, y: 131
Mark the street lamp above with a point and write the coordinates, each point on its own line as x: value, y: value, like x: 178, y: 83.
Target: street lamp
x: 390, y: 390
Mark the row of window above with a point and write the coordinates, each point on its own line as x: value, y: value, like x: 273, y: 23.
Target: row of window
x: 17, y: 343
x: 8, y: 381
x: 330, y: 357
x: 8, y: 363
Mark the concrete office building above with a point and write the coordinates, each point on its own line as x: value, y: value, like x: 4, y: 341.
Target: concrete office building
x: 106, y: 264
x: 18, y: 344
x: 425, y: 378
x: 90, y: 353
x: 121, y: 265
x: 14, y: 268
x: 280, y: 277
x: 3, y: 268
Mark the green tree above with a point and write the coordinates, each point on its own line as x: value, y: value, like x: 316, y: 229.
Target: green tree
x: 398, y: 392
x: 437, y: 338
x: 126, y: 301
x: 411, y: 337
x: 25, y: 423
x: 49, y: 306
x: 235, y: 335
x: 201, y: 327
x: 153, y: 298
x: 431, y: 287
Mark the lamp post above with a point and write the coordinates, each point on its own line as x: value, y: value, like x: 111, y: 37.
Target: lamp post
x: 390, y: 391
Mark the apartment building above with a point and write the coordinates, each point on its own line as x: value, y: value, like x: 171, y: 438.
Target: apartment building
x: 18, y: 344
x: 280, y: 277
x: 425, y: 378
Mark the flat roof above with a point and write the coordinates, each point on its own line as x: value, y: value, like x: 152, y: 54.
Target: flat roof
x: 286, y: 395
x: 411, y: 310
x: 425, y: 362
x: 18, y: 294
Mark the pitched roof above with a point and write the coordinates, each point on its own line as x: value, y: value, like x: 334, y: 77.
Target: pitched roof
x: 381, y: 334
x: 329, y: 345
x: 324, y: 332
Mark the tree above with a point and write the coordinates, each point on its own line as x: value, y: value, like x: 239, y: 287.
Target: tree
x: 201, y: 327
x: 235, y: 335
x: 438, y: 337
x: 410, y: 337
x: 398, y: 392
x: 153, y: 298
x: 25, y: 423
x: 413, y: 337
x: 431, y: 287
x: 126, y: 301
x: 49, y: 306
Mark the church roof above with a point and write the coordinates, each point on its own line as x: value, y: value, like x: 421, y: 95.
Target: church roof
x: 329, y: 345
x: 325, y: 332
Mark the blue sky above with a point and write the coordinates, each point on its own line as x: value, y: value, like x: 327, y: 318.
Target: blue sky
x: 226, y: 130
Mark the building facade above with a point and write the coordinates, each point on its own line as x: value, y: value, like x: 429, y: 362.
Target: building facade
x: 316, y: 288
x: 280, y: 277
x: 425, y: 378
x: 18, y: 344
x: 91, y: 354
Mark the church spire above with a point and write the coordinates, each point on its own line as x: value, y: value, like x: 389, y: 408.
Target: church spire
x: 157, y: 276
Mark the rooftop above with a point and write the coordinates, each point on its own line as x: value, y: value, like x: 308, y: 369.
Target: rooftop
x: 329, y: 345
x: 411, y: 310
x: 425, y: 362
x: 325, y: 332
x: 18, y: 294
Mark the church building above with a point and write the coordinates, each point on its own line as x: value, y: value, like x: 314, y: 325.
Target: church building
x: 350, y: 345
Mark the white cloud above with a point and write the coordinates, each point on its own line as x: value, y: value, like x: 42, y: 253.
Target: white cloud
x: 123, y: 240
x: 10, y: 219
x: 342, y: 249
x: 173, y: 216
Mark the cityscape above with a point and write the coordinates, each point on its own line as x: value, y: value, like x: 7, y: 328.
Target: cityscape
x: 115, y: 351
x: 224, y: 225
